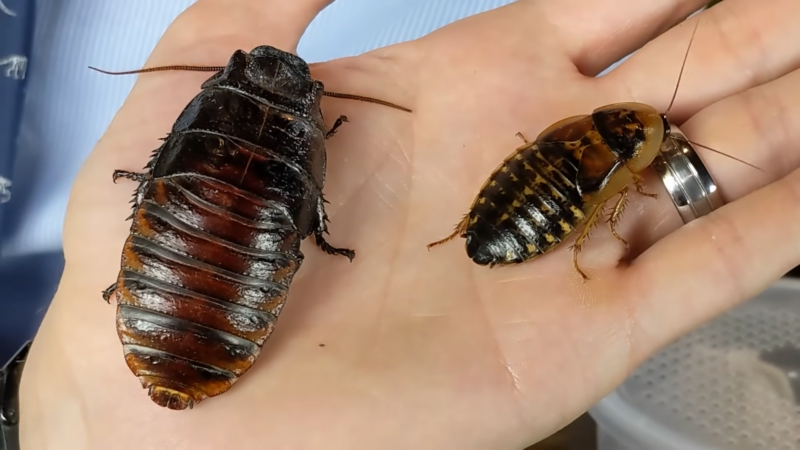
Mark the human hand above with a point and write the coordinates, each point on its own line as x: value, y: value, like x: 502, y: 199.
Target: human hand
x: 426, y: 349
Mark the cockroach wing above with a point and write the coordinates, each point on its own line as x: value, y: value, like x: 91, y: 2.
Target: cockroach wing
x: 596, y: 167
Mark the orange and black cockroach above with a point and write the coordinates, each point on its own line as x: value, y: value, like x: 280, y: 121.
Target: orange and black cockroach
x: 218, y: 217
x: 558, y: 184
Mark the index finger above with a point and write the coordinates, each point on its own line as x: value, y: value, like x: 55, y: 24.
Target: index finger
x: 739, y: 44
x: 599, y: 33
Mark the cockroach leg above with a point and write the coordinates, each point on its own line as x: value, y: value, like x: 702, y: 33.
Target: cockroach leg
x: 108, y: 292
x: 322, y: 216
x: 458, y: 230
x: 578, y: 246
x: 331, y: 250
x: 342, y: 119
x: 135, y: 176
x: 322, y: 228
x: 519, y: 135
x: 616, y: 215
x: 640, y: 186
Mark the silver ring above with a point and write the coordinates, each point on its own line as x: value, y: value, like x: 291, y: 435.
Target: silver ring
x: 686, y: 178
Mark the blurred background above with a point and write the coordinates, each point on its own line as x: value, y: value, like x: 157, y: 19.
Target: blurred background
x: 711, y: 390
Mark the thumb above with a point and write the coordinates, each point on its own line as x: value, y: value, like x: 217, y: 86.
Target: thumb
x: 209, y: 31
x: 207, y: 34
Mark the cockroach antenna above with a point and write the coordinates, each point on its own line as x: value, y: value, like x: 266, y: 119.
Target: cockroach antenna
x: 188, y: 68
x: 675, y: 94
x: 683, y: 66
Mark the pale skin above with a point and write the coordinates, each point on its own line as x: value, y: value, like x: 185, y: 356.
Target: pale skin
x: 427, y: 350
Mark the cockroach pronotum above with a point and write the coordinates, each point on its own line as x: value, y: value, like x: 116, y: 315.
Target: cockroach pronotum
x: 218, y: 217
x: 559, y: 183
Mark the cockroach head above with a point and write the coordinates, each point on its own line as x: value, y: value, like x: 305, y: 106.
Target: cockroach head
x: 277, y: 71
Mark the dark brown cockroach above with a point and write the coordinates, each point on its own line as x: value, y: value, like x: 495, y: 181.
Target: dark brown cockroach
x: 218, y: 218
x: 559, y: 183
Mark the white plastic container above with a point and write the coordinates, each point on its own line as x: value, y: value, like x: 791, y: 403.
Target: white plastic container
x: 733, y: 384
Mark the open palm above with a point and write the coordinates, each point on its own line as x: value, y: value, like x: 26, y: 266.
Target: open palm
x: 406, y: 348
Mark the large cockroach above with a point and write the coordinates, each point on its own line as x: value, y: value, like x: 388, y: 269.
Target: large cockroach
x: 558, y: 184
x: 218, y: 218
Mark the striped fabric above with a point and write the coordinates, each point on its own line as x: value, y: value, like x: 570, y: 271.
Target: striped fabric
x: 16, y: 33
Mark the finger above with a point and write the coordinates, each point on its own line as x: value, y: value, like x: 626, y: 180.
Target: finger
x: 599, y: 33
x: 739, y: 44
x: 739, y: 249
x: 760, y: 125
x: 208, y: 33
x: 715, y: 262
x: 213, y: 29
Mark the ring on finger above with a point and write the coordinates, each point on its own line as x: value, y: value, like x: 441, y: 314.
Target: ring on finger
x: 691, y: 187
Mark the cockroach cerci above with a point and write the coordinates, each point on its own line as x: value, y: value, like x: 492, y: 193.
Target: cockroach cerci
x: 218, y: 218
x: 558, y: 184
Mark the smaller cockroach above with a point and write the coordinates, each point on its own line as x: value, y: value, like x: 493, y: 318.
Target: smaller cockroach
x: 558, y: 184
